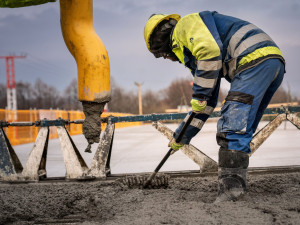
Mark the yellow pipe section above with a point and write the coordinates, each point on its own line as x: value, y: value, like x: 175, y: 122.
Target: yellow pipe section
x: 87, y: 49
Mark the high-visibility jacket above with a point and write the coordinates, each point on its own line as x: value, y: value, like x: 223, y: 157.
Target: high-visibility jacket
x: 213, y: 45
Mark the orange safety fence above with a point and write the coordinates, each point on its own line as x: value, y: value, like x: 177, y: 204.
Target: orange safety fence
x: 28, y: 134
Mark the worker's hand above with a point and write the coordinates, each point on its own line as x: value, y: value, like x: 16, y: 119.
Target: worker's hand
x: 174, y: 145
x: 91, y: 127
x: 198, y: 106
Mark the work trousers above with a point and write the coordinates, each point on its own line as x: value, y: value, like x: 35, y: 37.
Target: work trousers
x: 249, y: 95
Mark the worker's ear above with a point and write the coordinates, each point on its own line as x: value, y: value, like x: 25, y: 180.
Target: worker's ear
x: 173, y: 22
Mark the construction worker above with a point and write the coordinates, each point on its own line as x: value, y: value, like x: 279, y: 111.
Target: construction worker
x: 213, y: 46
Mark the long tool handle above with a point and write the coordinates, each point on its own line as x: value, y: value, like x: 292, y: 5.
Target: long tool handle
x: 178, y: 139
x: 185, y: 126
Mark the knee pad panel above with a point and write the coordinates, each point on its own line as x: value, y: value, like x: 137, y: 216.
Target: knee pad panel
x: 235, y: 113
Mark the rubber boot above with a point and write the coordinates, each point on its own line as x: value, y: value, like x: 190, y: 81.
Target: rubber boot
x: 231, y: 175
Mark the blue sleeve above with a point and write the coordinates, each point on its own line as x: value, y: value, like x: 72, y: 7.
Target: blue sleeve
x: 200, y: 118
x: 207, y: 70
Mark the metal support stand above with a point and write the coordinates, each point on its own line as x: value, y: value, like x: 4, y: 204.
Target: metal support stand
x: 11, y: 168
x: 295, y: 120
x: 265, y: 132
x: 76, y: 167
x: 101, y: 162
x: 204, y: 161
x: 10, y: 164
x: 35, y: 167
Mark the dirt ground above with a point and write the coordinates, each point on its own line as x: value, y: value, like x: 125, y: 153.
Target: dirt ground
x: 271, y: 199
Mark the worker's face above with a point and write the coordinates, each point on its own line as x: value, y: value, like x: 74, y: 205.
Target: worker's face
x: 165, y: 56
x: 170, y: 58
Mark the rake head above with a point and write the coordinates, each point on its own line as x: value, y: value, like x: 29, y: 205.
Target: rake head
x: 159, y: 181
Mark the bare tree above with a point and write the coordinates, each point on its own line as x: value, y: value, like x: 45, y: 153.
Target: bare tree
x: 25, y: 95
x: 281, y: 95
x: 71, y: 96
x: 45, y: 96
x: 179, y: 92
x: 152, y: 102
x: 121, y: 100
x: 3, y: 100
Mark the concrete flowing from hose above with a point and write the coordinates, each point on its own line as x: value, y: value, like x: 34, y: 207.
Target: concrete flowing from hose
x: 91, y: 127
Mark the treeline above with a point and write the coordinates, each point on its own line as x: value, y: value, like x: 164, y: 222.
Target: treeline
x: 43, y: 96
x: 179, y: 92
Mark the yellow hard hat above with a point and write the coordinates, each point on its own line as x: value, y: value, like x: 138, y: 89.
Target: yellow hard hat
x: 153, y: 22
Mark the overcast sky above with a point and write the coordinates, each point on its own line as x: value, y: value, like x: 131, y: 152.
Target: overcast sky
x: 119, y: 23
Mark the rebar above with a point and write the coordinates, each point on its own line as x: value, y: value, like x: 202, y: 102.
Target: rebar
x: 139, y: 118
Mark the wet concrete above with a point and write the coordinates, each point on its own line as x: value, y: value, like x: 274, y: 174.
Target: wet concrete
x: 271, y: 199
x: 92, y: 124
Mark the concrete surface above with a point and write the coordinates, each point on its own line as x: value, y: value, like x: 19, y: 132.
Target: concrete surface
x: 140, y: 149
x: 271, y: 199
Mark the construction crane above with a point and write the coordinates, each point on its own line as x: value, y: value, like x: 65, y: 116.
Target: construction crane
x: 10, y: 81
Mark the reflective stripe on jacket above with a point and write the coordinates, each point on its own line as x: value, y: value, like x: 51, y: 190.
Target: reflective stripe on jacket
x: 212, y: 45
